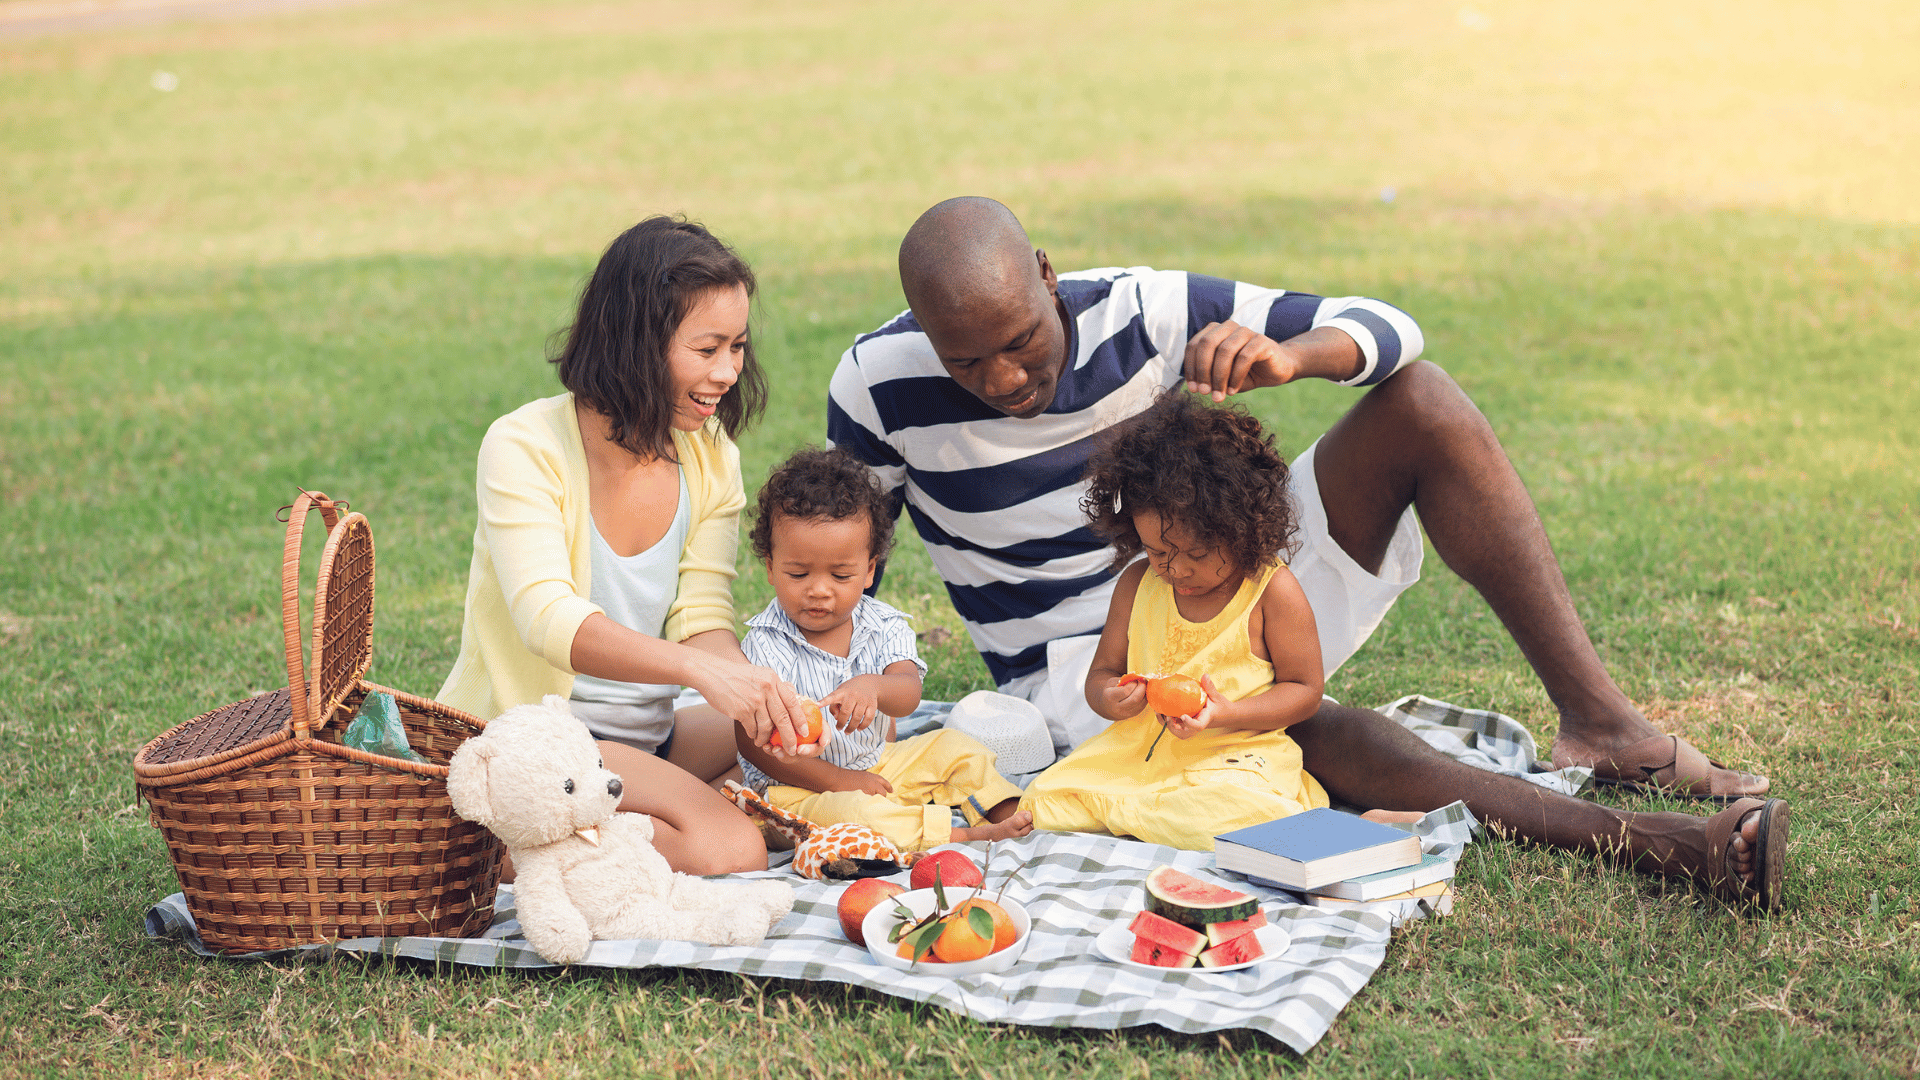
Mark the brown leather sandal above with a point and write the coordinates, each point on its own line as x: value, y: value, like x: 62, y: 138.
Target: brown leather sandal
x: 1769, y: 853
x: 1667, y: 765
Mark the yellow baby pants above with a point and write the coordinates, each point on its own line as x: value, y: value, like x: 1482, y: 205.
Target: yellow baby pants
x: 930, y: 774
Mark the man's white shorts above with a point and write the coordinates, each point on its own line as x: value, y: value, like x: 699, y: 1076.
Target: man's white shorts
x: 1348, y: 603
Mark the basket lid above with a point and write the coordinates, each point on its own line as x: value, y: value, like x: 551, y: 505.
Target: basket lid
x: 342, y: 617
x: 225, y: 733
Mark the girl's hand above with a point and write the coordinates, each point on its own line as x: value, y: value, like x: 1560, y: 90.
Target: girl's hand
x: 854, y: 707
x: 1186, y: 727
x: 762, y: 703
x: 1125, y: 696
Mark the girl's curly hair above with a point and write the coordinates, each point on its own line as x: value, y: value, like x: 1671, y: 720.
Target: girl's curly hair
x: 1211, y: 469
x: 830, y: 485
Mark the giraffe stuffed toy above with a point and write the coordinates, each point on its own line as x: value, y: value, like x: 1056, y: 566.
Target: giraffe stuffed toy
x: 822, y: 851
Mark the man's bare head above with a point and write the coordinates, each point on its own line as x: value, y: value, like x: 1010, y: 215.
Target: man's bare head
x: 986, y: 300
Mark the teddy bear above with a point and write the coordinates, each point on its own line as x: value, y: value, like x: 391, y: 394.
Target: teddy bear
x: 534, y: 777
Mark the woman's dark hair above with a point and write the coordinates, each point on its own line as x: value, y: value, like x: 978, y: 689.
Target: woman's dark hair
x: 823, y: 485
x: 1210, y: 469
x: 615, y: 356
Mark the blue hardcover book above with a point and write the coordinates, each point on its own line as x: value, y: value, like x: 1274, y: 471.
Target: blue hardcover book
x: 1309, y: 850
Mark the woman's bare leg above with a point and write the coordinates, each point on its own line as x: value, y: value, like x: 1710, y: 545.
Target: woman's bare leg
x: 694, y: 826
x: 703, y: 743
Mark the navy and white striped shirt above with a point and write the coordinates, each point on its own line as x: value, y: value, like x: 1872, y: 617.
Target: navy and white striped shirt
x: 882, y: 636
x: 997, y: 499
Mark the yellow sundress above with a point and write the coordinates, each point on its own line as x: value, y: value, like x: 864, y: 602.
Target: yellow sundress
x: 1193, y: 789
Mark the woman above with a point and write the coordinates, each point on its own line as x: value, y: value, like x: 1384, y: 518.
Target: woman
x: 604, y: 554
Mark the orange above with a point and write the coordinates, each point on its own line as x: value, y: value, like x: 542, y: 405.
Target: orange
x: 958, y: 943
x: 1004, y: 932
x: 812, y: 721
x: 1175, y: 695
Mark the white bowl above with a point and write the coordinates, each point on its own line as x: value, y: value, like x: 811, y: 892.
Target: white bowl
x: 880, y: 922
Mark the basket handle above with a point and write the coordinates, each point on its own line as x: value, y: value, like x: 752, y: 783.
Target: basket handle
x: 296, y: 520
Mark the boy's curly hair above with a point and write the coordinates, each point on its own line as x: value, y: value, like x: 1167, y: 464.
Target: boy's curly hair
x: 830, y: 485
x: 1212, y: 469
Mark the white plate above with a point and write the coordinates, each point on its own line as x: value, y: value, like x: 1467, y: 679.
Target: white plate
x: 1116, y: 944
x: 921, y: 902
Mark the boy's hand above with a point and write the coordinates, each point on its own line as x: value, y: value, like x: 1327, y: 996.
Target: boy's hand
x: 1186, y: 727
x: 1125, y: 696
x: 872, y: 783
x: 853, y: 706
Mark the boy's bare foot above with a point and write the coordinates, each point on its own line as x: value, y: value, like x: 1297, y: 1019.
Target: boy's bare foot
x: 1393, y: 817
x: 1019, y: 823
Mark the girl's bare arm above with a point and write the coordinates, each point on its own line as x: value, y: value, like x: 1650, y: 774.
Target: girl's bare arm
x: 1293, y: 647
x: 1105, y: 695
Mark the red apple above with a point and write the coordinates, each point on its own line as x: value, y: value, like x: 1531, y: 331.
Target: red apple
x: 956, y: 871
x: 859, y: 898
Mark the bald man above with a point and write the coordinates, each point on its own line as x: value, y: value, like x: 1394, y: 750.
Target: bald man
x: 978, y: 408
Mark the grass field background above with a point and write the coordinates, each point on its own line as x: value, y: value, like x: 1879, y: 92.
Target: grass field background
x: 1673, y: 250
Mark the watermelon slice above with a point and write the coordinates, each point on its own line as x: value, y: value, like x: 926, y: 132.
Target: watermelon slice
x: 1222, y: 932
x: 1147, y: 926
x: 1238, y: 951
x: 1157, y: 955
x: 1191, y: 902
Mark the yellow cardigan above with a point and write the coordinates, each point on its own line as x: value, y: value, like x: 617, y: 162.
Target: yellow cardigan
x: 533, y: 555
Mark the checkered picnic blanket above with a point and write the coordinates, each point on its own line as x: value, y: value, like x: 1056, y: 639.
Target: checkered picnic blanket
x: 1074, y: 886
x: 1485, y: 740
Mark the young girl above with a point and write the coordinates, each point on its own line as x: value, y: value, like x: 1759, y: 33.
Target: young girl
x: 1201, y: 492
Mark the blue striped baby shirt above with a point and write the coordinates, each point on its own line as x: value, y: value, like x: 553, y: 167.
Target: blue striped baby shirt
x: 882, y: 636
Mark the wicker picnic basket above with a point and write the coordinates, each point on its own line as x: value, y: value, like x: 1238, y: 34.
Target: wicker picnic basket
x: 282, y: 836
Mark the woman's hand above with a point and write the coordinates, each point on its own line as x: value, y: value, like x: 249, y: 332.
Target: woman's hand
x: 762, y: 703
x: 1186, y: 727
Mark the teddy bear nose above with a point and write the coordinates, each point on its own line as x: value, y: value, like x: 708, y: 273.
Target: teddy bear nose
x: 613, y: 787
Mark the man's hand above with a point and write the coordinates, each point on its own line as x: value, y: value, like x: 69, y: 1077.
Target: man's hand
x: 853, y: 705
x: 1227, y: 358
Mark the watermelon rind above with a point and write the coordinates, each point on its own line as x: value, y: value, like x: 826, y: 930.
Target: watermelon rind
x: 1150, y: 927
x: 1238, y: 951
x: 1191, y: 902
x: 1222, y: 932
x: 1154, y: 954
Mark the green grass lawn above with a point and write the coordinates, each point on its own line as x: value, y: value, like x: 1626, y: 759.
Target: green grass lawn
x: 1671, y: 251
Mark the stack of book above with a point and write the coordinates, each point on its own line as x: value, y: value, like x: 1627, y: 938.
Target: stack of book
x: 1331, y: 859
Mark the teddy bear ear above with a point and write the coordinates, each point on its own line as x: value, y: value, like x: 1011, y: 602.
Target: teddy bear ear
x: 555, y: 701
x: 469, y: 785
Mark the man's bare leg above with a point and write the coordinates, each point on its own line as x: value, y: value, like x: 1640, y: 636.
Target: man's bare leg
x: 1365, y: 759
x: 1416, y: 439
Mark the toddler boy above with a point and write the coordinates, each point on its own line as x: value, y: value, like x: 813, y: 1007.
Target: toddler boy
x: 822, y: 529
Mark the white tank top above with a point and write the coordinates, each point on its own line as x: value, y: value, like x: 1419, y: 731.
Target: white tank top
x: 636, y: 591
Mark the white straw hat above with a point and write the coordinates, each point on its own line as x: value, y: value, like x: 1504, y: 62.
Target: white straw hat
x: 1010, y: 727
